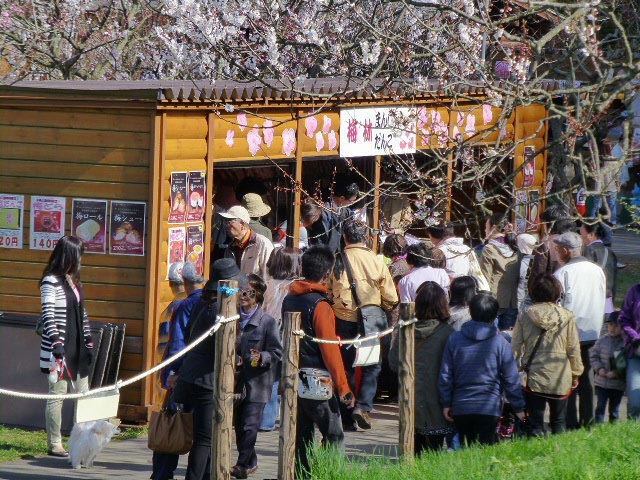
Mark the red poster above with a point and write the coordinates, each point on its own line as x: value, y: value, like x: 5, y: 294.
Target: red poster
x: 176, y: 248
x: 195, y: 246
x: 89, y: 224
x: 128, y: 221
x: 178, y: 209
x: 196, y: 200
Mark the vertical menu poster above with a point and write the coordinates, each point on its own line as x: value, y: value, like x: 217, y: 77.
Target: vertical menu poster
x: 195, y: 246
x: 178, y: 208
x: 522, y: 200
x: 89, y: 224
x: 175, y: 252
x: 196, y: 199
x: 529, y: 169
x: 11, y: 220
x: 47, y: 222
x: 534, y: 210
x: 127, y: 228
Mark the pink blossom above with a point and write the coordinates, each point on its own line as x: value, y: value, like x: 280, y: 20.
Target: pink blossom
x: 288, y: 141
x: 487, y: 114
x: 319, y: 141
x: 254, y: 139
x: 268, y: 131
x: 326, y: 124
x: 411, y: 143
x: 403, y: 144
x: 230, y: 138
x: 311, y: 125
x: 333, y: 140
x: 242, y: 121
x: 471, y: 123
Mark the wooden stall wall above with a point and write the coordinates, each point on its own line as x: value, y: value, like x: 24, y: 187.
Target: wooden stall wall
x: 79, y: 153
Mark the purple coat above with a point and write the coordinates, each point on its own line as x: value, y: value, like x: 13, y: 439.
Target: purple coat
x: 629, y: 319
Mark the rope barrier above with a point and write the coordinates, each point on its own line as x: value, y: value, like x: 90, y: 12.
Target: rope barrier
x: 358, y: 340
x: 123, y: 383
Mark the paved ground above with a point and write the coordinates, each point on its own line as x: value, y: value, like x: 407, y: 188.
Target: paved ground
x: 626, y: 244
x: 131, y: 460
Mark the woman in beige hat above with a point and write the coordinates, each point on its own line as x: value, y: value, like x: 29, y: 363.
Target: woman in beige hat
x: 257, y: 209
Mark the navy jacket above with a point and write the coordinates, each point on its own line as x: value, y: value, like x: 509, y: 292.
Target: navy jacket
x: 477, y: 367
x: 260, y: 333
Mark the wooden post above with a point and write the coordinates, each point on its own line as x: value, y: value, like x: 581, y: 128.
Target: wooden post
x: 289, y: 401
x: 224, y: 373
x: 406, y: 374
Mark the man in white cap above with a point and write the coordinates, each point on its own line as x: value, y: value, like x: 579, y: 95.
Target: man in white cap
x: 257, y: 209
x: 250, y: 250
x: 584, y: 291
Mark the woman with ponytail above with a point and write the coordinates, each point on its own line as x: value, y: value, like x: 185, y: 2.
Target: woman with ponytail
x: 500, y: 266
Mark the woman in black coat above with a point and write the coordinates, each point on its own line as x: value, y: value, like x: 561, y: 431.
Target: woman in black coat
x: 258, y: 352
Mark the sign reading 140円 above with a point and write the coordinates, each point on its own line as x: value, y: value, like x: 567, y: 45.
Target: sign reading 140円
x: 47, y: 222
x: 377, y: 131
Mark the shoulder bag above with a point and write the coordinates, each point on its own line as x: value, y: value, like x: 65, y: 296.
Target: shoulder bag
x: 170, y: 432
x: 526, y: 366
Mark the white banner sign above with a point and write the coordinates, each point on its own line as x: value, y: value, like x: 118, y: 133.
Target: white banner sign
x: 47, y: 222
x: 377, y: 131
x: 11, y: 208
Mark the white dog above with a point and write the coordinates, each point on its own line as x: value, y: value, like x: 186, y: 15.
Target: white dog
x: 87, y: 440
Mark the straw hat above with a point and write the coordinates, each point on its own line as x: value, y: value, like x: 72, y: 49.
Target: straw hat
x: 254, y: 205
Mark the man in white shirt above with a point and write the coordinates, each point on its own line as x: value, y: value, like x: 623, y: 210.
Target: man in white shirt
x: 584, y: 291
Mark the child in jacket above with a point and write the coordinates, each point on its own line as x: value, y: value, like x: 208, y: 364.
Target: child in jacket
x: 609, y: 386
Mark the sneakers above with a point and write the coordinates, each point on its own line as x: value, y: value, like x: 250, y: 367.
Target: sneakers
x: 362, y: 418
x: 240, y: 472
x: 58, y: 451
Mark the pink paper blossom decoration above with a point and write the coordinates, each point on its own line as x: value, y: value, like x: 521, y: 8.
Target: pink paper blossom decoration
x: 311, y: 125
x: 288, y: 141
x: 471, y: 123
x: 268, y: 131
x: 319, y: 141
x: 242, y: 121
x: 254, y: 139
x: 487, y: 114
x: 333, y: 140
x: 410, y: 145
x: 326, y: 124
x: 230, y: 138
x: 403, y: 144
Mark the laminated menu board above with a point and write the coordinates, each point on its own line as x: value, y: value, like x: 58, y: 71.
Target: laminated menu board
x: 534, y: 210
x: 11, y: 223
x: 522, y: 201
x: 196, y: 198
x: 176, y: 248
x: 195, y: 246
x: 529, y: 169
x: 178, y: 208
x: 127, y: 228
x: 89, y: 224
x: 47, y: 222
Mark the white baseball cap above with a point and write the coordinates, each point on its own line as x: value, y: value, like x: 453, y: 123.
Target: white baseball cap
x: 237, y: 211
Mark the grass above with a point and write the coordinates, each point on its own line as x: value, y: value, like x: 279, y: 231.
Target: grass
x: 604, y: 453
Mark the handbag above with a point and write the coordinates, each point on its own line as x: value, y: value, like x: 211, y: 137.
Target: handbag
x: 170, y: 432
x: 315, y: 384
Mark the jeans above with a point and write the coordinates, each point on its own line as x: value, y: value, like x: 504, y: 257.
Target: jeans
x: 584, y: 391
x: 53, y: 410
x: 271, y: 409
x: 507, y: 318
x: 199, y: 466
x: 633, y: 388
x: 476, y: 428
x: 325, y: 414
x: 536, y: 405
x: 611, y: 396
x: 368, y: 379
x: 247, y: 419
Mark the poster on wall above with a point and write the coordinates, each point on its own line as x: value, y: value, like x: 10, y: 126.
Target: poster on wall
x: 529, y: 169
x: 127, y: 228
x: 178, y: 208
x: 176, y: 249
x: 196, y: 198
x: 534, y: 210
x: 377, y: 131
x: 195, y: 246
x: 47, y: 222
x: 11, y: 223
x: 522, y: 201
x: 89, y: 224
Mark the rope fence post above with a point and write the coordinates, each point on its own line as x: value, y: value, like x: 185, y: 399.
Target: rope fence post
x: 223, y: 389
x: 289, y: 402
x: 406, y: 374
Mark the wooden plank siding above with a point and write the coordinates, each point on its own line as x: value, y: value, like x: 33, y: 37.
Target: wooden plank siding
x: 79, y: 153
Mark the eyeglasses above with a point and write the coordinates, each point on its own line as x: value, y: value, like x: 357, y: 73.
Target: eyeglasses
x: 247, y: 293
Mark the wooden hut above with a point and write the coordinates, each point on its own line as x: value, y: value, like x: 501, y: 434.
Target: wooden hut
x: 122, y: 141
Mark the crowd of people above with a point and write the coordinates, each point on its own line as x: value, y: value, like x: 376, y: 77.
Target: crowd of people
x: 502, y: 334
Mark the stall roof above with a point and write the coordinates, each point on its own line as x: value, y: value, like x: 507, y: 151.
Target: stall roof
x: 318, y: 89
